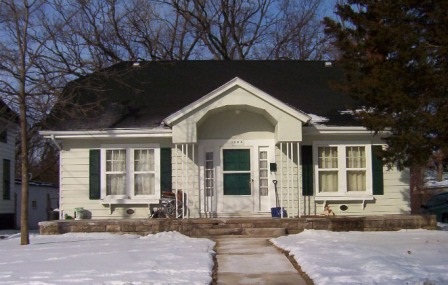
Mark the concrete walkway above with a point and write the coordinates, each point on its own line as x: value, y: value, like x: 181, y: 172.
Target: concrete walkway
x: 253, y: 261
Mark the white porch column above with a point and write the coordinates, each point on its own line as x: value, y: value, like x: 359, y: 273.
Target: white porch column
x: 289, y: 178
x: 186, y: 177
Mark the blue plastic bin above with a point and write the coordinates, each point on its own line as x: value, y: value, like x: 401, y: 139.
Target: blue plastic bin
x: 276, y: 212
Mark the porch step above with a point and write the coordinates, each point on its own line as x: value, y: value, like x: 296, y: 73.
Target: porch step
x: 242, y: 232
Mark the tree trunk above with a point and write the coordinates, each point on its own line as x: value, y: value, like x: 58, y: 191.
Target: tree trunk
x: 416, y: 188
x: 24, y: 230
x: 439, y: 166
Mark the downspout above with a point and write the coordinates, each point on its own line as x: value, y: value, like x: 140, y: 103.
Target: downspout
x: 58, y: 146
x: 53, y: 139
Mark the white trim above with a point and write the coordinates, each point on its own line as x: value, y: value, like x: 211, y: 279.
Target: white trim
x: 342, y: 186
x: 319, y: 129
x: 361, y: 198
x: 111, y: 133
x: 130, y: 197
x: 245, y: 85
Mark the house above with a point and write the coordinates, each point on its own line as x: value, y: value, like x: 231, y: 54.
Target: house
x: 8, y: 130
x: 43, y: 202
x: 234, y: 138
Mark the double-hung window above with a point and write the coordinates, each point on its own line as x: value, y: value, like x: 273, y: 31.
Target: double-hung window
x: 343, y: 169
x: 130, y: 172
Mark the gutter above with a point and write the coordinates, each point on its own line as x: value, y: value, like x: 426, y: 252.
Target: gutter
x: 114, y: 133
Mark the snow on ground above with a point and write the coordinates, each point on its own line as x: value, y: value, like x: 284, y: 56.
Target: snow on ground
x: 431, y: 182
x: 102, y: 258
x: 403, y: 257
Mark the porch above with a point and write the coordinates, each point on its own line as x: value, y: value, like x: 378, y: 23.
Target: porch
x: 249, y: 227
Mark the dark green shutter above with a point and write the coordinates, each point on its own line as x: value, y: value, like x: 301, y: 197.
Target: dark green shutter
x: 94, y: 174
x: 6, y: 179
x: 307, y: 170
x: 377, y: 171
x: 165, y: 169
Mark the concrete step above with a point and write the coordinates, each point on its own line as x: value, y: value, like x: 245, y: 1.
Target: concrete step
x: 241, y: 232
x: 264, y: 232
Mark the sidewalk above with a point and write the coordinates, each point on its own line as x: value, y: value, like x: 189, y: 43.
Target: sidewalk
x: 253, y: 261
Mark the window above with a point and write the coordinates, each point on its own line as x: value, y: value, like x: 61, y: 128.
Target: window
x: 342, y: 169
x: 4, y: 136
x: 263, y: 172
x: 356, y: 168
x: 209, y: 174
x: 328, y: 169
x: 130, y: 172
x: 6, y: 179
x: 116, y: 172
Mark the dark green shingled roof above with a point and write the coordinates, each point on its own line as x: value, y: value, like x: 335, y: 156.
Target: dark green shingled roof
x: 142, y: 96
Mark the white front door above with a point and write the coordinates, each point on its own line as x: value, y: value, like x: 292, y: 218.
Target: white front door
x: 236, y: 179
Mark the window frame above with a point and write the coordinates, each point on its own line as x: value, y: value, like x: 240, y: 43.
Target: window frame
x: 7, y: 185
x: 342, y: 169
x: 4, y: 135
x: 129, y: 193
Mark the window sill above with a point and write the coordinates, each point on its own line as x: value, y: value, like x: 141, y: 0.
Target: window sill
x: 129, y: 201
x: 110, y: 202
x: 361, y: 198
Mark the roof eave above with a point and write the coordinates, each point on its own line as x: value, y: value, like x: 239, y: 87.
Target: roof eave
x: 322, y: 129
x: 111, y: 133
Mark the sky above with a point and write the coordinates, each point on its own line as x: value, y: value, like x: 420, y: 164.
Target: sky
x: 336, y: 258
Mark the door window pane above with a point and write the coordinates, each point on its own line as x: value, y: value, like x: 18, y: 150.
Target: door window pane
x: 263, y: 173
x: 236, y: 159
x: 237, y: 184
x: 209, y: 174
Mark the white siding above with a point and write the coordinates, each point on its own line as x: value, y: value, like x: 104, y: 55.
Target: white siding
x: 394, y: 201
x: 74, y: 185
x: 7, y: 151
x: 42, y: 199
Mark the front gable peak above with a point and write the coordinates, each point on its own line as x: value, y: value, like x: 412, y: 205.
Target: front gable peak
x: 226, y: 89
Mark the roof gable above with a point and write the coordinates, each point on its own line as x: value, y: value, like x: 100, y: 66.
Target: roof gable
x: 236, y: 82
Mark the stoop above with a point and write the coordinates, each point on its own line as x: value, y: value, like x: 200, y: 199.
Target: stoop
x: 242, y: 232
x: 264, y: 232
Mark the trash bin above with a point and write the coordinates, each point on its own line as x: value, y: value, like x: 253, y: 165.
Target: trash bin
x: 79, y: 213
x: 276, y: 212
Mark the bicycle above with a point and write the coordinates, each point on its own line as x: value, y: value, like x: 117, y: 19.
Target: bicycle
x: 167, y: 207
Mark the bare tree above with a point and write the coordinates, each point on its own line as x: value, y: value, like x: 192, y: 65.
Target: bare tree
x: 256, y: 29
x: 100, y: 33
x: 228, y: 28
x: 298, y: 32
x: 27, y: 79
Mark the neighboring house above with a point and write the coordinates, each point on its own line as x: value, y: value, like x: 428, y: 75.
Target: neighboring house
x: 8, y: 131
x: 43, y: 201
x: 229, y: 134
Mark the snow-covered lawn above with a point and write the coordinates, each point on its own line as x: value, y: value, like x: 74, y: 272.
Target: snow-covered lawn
x: 403, y: 257
x: 102, y: 258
